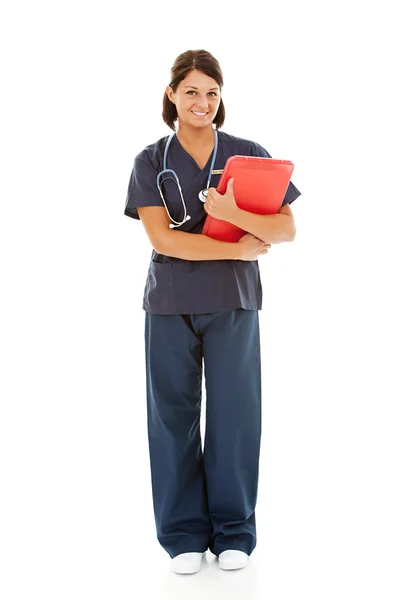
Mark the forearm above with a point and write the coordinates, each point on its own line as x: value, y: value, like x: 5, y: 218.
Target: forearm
x: 272, y: 229
x: 193, y: 246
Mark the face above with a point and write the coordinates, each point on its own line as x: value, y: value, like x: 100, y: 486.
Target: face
x: 197, y: 99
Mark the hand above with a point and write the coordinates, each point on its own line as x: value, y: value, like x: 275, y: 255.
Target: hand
x: 221, y: 206
x: 249, y: 247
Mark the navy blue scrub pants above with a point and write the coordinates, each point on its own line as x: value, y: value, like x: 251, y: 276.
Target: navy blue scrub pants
x: 204, y: 499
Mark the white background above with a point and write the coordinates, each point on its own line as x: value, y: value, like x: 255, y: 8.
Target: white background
x: 82, y: 83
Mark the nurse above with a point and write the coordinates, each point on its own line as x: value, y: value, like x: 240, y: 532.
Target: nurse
x: 201, y: 303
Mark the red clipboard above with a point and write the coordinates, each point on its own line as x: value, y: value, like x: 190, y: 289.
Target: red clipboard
x: 259, y: 187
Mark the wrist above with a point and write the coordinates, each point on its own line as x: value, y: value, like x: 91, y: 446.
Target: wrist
x: 235, y: 216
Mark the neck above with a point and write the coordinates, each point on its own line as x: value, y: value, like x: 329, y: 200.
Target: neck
x: 195, y: 136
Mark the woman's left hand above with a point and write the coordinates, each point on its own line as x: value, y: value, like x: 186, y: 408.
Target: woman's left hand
x: 221, y: 206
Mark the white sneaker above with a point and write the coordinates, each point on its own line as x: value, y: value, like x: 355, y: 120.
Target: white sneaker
x: 188, y: 562
x: 232, y: 559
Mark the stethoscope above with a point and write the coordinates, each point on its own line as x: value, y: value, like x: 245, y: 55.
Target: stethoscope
x: 202, y: 193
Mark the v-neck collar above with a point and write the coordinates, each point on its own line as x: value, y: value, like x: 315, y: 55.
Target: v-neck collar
x: 191, y: 157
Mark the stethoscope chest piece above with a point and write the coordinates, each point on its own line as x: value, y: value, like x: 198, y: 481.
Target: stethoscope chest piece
x: 203, y: 195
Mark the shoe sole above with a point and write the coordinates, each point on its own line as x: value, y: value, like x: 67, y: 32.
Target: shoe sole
x: 231, y: 567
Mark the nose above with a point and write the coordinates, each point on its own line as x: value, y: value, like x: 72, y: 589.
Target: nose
x: 202, y: 102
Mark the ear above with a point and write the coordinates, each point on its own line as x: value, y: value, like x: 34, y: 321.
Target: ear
x: 170, y: 93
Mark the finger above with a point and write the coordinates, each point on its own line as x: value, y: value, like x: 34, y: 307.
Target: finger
x: 230, y: 185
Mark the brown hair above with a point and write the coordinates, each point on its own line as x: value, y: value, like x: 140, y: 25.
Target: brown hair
x: 203, y: 61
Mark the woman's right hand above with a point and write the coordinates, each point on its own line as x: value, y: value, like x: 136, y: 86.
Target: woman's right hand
x: 250, y: 247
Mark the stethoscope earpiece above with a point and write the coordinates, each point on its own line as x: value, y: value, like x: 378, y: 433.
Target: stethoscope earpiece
x: 171, y: 225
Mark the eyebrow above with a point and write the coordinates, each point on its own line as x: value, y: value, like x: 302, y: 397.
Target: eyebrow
x: 195, y: 88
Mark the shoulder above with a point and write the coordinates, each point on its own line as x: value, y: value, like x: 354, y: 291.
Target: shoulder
x: 239, y: 145
x: 151, y: 154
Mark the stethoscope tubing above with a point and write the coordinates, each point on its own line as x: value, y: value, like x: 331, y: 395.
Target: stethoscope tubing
x: 202, y: 194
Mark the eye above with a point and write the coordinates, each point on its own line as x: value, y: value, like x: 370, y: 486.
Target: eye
x: 193, y: 92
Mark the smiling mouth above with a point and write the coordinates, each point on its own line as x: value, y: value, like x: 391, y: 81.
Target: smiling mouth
x: 199, y: 114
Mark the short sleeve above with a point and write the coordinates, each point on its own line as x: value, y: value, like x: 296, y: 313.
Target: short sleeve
x: 142, y: 188
x: 292, y: 192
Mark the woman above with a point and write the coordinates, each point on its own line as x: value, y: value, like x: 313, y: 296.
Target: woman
x: 202, y: 298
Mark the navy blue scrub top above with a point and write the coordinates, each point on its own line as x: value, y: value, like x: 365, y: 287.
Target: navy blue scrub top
x: 178, y: 286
